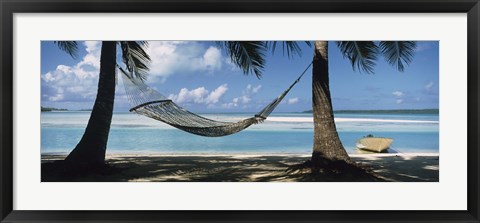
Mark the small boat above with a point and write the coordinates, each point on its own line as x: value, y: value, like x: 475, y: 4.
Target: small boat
x: 374, y: 144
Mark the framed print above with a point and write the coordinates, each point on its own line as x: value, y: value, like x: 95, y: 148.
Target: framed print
x: 202, y: 111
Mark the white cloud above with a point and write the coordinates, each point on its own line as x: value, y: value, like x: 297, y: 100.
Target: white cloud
x: 64, y: 69
x: 250, y: 90
x: 244, y: 99
x: 398, y: 93
x: 74, y: 83
x: 429, y: 86
x: 79, y: 82
x: 93, y: 55
x: 400, y: 97
x: 292, y: 101
x: 178, y: 57
x: 57, y: 97
x: 237, y: 102
x: 230, y: 65
x: 212, y: 59
x: 196, y: 95
x: 199, y: 95
x: 216, y: 94
x: 92, y: 46
x: 422, y: 46
x: 67, y: 84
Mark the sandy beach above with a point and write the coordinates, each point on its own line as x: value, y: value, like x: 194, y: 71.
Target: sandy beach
x: 413, y: 167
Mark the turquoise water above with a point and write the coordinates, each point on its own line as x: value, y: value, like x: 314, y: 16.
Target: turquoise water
x: 282, y: 133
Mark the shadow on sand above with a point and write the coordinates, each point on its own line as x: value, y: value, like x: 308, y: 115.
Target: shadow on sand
x: 235, y: 169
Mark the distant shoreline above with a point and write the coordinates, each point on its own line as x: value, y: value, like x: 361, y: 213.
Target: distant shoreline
x: 48, y: 109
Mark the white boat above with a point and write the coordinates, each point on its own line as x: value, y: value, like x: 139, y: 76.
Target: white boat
x: 374, y: 144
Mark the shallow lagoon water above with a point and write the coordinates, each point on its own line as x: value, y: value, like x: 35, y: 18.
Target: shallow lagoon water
x: 282, y: 133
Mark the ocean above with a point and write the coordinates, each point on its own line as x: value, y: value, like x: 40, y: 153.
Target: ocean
x: 280, y: 133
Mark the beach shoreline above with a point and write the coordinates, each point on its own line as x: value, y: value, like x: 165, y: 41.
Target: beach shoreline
x: 226, y: 167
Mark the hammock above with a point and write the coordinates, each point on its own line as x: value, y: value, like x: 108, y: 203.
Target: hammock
x: 148, y: 102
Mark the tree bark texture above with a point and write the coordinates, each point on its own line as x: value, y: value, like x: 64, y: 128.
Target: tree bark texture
x: 90, y: 151
x: 326, y: 142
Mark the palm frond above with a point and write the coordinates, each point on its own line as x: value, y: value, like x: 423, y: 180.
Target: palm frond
x: 70, y: 47
x: 290, y: 48
x: 398, y: 53
x: 247, y: 55
x: 124, y: 72
x: 362, y: 54
x: 135, y: 58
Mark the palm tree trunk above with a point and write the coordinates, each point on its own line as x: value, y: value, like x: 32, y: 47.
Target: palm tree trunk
x: 90, y: 151
x: 326, y: 143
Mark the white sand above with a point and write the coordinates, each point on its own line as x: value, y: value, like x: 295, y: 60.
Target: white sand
x: 413, y: 167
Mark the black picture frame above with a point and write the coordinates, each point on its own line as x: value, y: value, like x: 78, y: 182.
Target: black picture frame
x: 10, y: 7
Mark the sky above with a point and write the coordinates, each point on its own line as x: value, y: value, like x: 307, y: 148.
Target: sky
x: 200, y: 77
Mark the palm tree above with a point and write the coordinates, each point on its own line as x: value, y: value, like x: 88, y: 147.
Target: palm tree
x: 89, y: 153
x: 327, y: 147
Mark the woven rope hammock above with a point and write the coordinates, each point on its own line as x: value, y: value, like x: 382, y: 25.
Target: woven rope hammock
x: 150, y: 103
